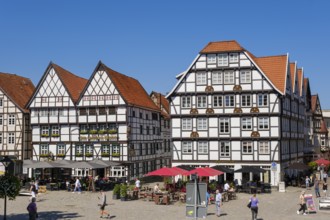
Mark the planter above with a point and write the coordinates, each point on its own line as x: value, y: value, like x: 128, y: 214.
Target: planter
x: 112, y: 131
x: 122, y: 199
x: 102, y: 132
x: 88, y: 155
x: 105, y: 155
x: 55, y: 135
x: 45, y: 135
x: 60, y: 155
x: 83, y: 132
x: 116, y: 196
x: 79, y: 155
x: 116, y: 154
x: 93, y: 131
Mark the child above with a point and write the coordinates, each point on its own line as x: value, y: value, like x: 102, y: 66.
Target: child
x: 102, y: 204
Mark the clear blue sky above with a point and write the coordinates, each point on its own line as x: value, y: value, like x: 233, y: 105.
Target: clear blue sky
x: 153, y: 41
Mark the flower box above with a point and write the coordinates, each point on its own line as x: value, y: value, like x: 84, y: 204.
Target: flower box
x: 55, y: 135
x: 102, y: 131
x: 115, y: 154
x: 60, y: 155
x: 93, y: 131
x: 79, y: 155
x: 112, y: 131
x: 88, y: 154
x: 83, y: 132
x: 105, y: 154
x: 44, y: 135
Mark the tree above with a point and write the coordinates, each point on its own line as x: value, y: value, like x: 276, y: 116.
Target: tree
x: 9, y: 186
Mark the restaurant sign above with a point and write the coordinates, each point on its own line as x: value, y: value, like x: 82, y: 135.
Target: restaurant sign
x: 95, y: 137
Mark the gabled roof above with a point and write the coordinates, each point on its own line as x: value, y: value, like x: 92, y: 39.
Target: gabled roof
x: 300, y: 81
x: 222, y: 46
x: 162, y: 103
x: 314, y: 102
x: 130, y: 89
x: 74, y: 84
x: 324, y: 128
x: 275, y: 68
x: 292, y: 75
x: 19, y: 89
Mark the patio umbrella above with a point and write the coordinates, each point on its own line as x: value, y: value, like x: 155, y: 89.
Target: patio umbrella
x: 250, y: 169
x: 180, y: 170
x: 165, y: 171
x: 60, y: 163
x: 83, y: 165
x: 204, y: 171
x: 322, y: 161
x: 298, y: 166
x: 223, y: 169
x: 105, y: 162
x: 39, y: 164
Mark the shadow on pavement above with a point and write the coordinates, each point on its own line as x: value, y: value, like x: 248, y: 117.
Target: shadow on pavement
x: 54, y: 215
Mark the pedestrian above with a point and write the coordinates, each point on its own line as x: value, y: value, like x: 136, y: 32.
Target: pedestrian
x: 37, y: 188
x: 226, y: 187
x: 102, y: 203
x: 77, y: 186
x: 325, y: 188
x: 137, y: 183
x: 302, y: 203
x: 307, y: 181
x: 33, y: 191
x: 325, y: 176
x: 218, y: 202
x: 317, y: 188
x: 254, y: 206
x: 32, y: 209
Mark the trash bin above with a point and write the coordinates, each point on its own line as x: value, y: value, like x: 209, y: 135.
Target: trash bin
x: 281, y: 186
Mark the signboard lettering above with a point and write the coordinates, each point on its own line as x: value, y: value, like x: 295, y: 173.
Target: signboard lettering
x: 100, y: 97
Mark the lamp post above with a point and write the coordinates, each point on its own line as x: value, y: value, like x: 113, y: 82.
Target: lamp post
x: 5, y: 161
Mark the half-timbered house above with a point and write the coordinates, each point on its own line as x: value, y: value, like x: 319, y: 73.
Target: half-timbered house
x: 234, y: 109
x: 15, y: 131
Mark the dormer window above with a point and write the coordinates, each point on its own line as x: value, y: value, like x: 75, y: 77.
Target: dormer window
x: 223, y: 59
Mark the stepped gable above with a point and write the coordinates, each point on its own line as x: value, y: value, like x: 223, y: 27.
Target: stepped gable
x: 19, y: 89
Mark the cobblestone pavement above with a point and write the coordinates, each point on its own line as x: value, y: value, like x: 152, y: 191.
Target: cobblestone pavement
x: 66, y: 205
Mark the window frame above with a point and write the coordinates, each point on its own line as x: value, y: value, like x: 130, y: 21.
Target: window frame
x: 211, y: 58
x: 217, y: 80
x: 247, y: 147
x: 11, y: 137
x: 235, y: 60
x: 246, y: 123
x: 224, y: 125
x: 225, y: 145
x: 201, y: 78
x: 263, y: 149
x: 261, y: 100
x: 263, y: 123
x: 228, y: 77
x: 247, y: 99
x: 202, y: 101
x: 11, y: 119
x: 186, y: 124
x: 215, y: 99
x: 230, y: 99
x: 61, y: 149
x: 202, y: 124
x: 203, y: 147
x: 223, y: 59
x: 187, y: 147
x: 247, y: 76
x: 186, y: 102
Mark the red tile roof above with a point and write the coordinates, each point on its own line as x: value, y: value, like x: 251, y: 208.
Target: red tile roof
x: 162, y: 103
x: 314, y: 102
x: 130, y: 89
x: 292, y: 76
x: 74, y: 84
x: 222, y: 46
x: 275, y: 69
x: 300, y: 81
x: 324, y: 128
x: 18, y: 89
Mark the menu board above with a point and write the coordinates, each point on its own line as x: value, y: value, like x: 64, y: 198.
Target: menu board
x: 310, y: 203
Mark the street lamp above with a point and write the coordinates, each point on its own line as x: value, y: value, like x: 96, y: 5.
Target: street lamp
x: 6, y: 162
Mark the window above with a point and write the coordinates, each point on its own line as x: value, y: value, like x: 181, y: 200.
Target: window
x: 154, y: 116
x: 133, y: 113
x: 264, y: 147
x: 53, y: 112
x: 201, y: 101
x: 44, y: 131
x: 82, y: 111
x: 247, y: 147
x: 211, y: 58
x: 105, y: 149
x: 141, y: 129
x: 92, y: 111
x: 61, y: 149
x: 186, y: 102
x: 44, y: 99
x: 92, y: 128
x: 141, y: 115
x: 217, y: 101
x: 0, y: 138
x: 203, y: 147
x: 83, y: 129
x: 246, y: 123
x: 102, y: 127
x: 224, y: 125
x: 263, y: 123
x: 229, y: 77
x: 186, y: 147
x: 59, y: 99
x: 44, y: 149
x: 55, y: 130
x: 229, y: 100
x: 202, y: 124
x: 233, y: 57
x: 246, y: 100
x: 102, y: 111
x: 217, y: 78
x: 224, y: 149
x: 148, y: 130
x: 89, y: 149
x: 79, y: 149
x: 1, y: 102
x: 1, y: 119
x: 245, y: 76
x: 222, y: 59
x: 112, y: 111
x: 201, y: 78
x: 262, y: 100
x: 11, y: 120
x: 186, y: 124
x: 43, y: 113
x: 115, y: 149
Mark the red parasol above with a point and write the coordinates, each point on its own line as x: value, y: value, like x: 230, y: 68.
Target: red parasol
x: 165, y: 171
x: 322, y: 161
x: 204, y: 171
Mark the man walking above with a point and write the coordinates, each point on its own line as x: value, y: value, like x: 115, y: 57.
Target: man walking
x: 218, y: 202
x: 77, y: 186
x: 317, y: 188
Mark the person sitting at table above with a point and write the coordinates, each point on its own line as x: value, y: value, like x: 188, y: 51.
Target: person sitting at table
x: 156, y: 188
x: 226, y: 187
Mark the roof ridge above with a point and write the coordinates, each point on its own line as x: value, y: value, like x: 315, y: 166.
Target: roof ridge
x: 67, y: 70
x: 283, y: 55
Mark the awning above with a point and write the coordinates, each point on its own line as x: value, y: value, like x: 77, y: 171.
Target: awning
x: 83, y: 165
x: 250, y: 169
x: 38, y: 164
x: 223, y: 169
x: 106, y: 162
x: 204, y: 171
x: 165, y: 171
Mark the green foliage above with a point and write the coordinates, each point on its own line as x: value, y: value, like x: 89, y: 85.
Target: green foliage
x: 113, y: 131
x: 9, y: 186
x: 102, y: 131
x: 115, y: 154
x: 105, y: 154
x: 88, y: 154
x: 93, y: 131
x: 213, y: 186
x: 123, y: 190
x: 116, y: 190
x: 312, y: 165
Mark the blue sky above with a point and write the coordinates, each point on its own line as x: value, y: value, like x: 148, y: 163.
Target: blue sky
x: 153, y: 41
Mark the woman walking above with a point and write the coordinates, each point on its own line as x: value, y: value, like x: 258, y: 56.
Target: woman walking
x: 254, y: 206
x: 302, y: 203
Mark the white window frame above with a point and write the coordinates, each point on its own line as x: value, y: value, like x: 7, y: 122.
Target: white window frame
x: 247, y: 147
x: 246, y: 124
x: 203, y: 147
x: 217, y: 77
x: 224, y: 149
x: 246, y: 100
x: 229, y: 77
x: 53, y: 112
x: 105, y: 148
x: 44, y: 130
x: 230, y: 100
x: 43, y: 112
x: 115, y: 149
x: 186, y: 124
x: 201, y: 78
x: 245, y: 76
x: 224, y: 125
x: 211, y: 58
x: 186, y: 102
x: 11, y: 138
x: 79, y: 149
x: 217, y: 101
x: 89, y: 148
x: 263, y: 123
x: 61, y: 149
x: 187, y: 147
x: 223, y: 59
x: 264, y: 147
x: 44, y: 149
x: 55, y: 130
x: 202, y: 124
x: 201, y: 101
x: 11, y: 119
x: 262, y: 99
x: 233, y: 58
